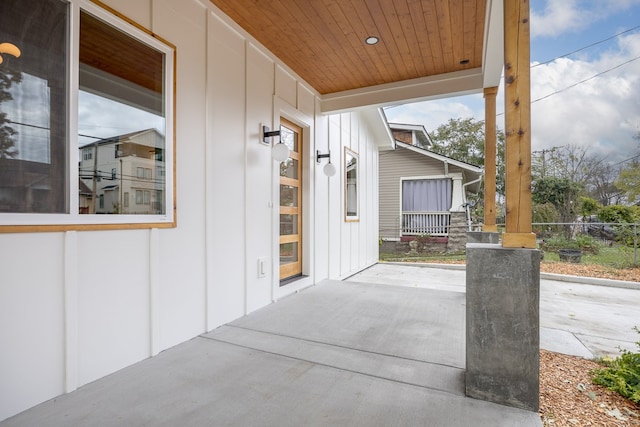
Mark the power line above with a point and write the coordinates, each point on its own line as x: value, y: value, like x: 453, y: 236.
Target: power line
x: 626, y: 160
x: 581, y: 81
x: 47, y: 129
x: 586, y: 80
x: 587, y: 47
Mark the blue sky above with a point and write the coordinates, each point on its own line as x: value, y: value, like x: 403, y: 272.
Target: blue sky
x: 601, y: 114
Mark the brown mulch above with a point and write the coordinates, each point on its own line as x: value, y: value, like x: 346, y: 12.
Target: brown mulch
x: 584, y: 270
x: 591, y: 270
x: 568, y: 398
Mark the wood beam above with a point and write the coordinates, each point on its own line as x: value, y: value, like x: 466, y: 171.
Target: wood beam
x: 517, y: 126
x: 489, y: 224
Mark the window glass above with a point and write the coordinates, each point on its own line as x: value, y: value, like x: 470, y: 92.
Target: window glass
x: 288, y: 252
x: 33, y: 120
x: 288, y: 195
x: 289, y: 168
x: 121, y: 117
x: 351, y: 185
x: 288, y: 224
x: 123, y: 114
x: 289, y: 138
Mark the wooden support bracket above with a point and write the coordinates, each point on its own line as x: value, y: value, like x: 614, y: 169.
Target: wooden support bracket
x: 519, y: 240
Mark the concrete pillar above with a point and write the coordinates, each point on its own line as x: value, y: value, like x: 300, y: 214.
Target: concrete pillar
x: 503, y: 326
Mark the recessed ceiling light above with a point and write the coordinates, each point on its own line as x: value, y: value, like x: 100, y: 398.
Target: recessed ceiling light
x: 371, y: 40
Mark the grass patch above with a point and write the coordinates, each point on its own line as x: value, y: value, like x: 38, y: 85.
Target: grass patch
x: 444, y: 258
x: 617, y: 256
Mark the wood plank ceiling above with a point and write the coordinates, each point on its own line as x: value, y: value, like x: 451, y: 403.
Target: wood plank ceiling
x: 324, y: 40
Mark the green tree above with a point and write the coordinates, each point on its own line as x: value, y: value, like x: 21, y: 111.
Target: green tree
x: 8, y: 77
x: 562, y: 193
x: 588, y: 206
x: 629, y: 181
x: 545, y: 212
x: 464, y: 140
x: 619, y: 214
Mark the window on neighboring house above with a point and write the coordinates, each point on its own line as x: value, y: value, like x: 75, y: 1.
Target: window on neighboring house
x: 120, y: 69
x: 425, y: 206
x: 125, y: 200
x: 428, y: 195
x: 143, y: 197
x: 140, y: 173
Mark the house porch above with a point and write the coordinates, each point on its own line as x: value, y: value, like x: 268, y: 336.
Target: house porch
x: 339, y: 353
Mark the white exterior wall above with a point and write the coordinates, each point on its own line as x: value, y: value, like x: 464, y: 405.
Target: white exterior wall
x: 78, y: 305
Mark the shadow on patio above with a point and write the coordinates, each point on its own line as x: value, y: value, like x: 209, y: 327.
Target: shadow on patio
x: 336, y: 354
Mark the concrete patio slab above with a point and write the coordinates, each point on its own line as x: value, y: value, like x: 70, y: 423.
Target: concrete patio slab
x: 336, y: 354
x: 563, y: 342
x: 598, y: 314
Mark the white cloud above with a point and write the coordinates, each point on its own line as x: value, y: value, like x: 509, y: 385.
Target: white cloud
x: 103, y: 118
x: 568, y: 16
x: 601, y: 114
x: 432, y: 114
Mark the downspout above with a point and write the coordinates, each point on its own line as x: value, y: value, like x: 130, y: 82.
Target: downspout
x: 464, y: 198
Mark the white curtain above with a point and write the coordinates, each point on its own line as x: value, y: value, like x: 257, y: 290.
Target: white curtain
x: 431, y: 195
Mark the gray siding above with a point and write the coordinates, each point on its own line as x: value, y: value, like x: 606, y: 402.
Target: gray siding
x: 396, y: 164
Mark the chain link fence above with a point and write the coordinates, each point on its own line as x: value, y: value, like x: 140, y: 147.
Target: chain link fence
x: 591, y: 237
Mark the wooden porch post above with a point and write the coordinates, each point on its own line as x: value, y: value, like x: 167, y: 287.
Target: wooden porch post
x: 517, y: 126
x: 490, y: 160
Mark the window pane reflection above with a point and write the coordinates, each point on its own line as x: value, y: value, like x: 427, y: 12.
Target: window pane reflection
x: 33, y: 91
x: 288, y: 224
x: 289, y: 168
x: 288, y: 195
x: 289, y: 138
x: 122, y: 149
x: 288, y: 253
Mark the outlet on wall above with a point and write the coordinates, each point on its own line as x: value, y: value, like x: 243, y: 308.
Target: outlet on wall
x: 262, y: 267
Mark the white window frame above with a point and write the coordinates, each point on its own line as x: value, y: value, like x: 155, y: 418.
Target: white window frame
x: 12, y: 222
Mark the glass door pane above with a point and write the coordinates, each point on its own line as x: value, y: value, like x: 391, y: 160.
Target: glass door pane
x: 291, y: 203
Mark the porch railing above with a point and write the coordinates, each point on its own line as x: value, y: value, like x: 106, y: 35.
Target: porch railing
x: 431, y: 223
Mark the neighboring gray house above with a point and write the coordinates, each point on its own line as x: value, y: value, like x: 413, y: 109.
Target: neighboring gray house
x: 123, y: 174
x: 421, y: 192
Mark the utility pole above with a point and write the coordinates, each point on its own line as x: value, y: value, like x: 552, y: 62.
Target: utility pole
x: 95, y: 177
x: 544, y: 160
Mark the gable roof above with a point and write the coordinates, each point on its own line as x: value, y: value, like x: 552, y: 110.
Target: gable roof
x: 445, y: 159
x: 120, y: 138
x: 419, y: 131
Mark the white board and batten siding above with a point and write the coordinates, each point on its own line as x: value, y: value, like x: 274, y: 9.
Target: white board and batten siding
x: 78, y: 305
